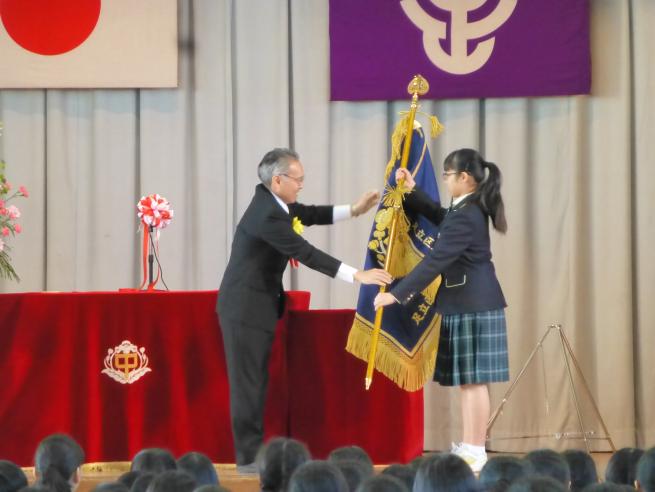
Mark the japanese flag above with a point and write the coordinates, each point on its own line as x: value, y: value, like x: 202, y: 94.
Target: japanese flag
x: 88, y: 43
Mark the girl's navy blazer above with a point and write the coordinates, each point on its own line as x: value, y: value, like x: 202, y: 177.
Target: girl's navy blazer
x: 461, y: 255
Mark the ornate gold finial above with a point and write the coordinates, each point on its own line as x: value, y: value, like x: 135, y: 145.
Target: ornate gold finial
x: 418, y: 85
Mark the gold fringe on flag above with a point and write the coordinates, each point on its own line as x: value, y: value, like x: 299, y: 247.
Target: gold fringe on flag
x: 410, y: 371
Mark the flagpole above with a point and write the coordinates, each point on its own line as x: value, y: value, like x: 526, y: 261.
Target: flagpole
x: 417, y: 86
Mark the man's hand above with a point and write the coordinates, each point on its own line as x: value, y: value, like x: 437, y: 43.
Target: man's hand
x: 402, y: 173
x: 365, y: 202
x: 375, y: 276
x: 383, y: 299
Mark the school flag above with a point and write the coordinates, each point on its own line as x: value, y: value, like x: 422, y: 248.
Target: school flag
x: 407, y: 346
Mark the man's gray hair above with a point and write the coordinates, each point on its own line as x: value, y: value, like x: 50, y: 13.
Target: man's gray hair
x: 275, y: 163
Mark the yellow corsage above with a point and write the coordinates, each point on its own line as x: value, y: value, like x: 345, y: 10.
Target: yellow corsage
x: 297, y: 226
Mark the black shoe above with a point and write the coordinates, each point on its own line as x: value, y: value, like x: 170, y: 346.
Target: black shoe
x: 249, y: 469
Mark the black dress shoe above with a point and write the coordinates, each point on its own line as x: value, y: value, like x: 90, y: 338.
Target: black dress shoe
x: 249, y: 469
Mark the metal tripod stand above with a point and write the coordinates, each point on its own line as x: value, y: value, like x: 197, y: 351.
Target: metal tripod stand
x: 567, y: 352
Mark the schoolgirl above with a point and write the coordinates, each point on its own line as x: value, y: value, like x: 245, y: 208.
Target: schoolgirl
x: 473, y: 339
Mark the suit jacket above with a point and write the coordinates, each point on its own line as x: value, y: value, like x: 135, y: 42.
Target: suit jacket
x: 251, y: 291
x: 461, y: 254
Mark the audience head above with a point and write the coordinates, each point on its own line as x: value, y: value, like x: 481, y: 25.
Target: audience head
x: 404, y: 473
x: 277, y: 460
x: 36, y: 488
x: 317, y: 476
x: 444, y: 473
x: 128, y: 478
x: 537, y: 483
x: 12, y: 477
x: 211, y: 488
x: 354, y: 472
x: 581, y: 467
x: 622, y: 466
x: 382, y: 483
x: 172, y: 481
x: 111, y: 487
x: 200, y: 467
x: 153, y: 460
x: 142, y: 482
x: 57, y: 461
x: 500, y: 472
x: 609, y: 487
x: 4, y: 483
x: 415, y: 463
x: 352, y: 453
x: 550, y: 464
x: 646, y: 472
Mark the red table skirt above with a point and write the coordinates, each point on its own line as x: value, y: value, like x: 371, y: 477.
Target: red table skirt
x: 54, y: 346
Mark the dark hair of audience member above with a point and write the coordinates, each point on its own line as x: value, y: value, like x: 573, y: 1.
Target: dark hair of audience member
x: 277, y: 460
x: 609, y: 487
x: 153, y: 460
x: 444, y: 473
x: 404, y: 473
x: 352, y: 453
x: 56, y: 463
x: 111, y: 487
x: 317, y: 476
x: 200, y: 467
x: 128, y: 478
x: 382, y: 483
x: 142, y: 482
x: 4, y: 483
x: 622, y: 466
x: 12, y: 477
x: 646, y: 471
x: 500, y: 472
x: 415, y: 463
x: 172, y: 481
x: 550, y: 464
x: 354, y: 472
x: 581, y: 467
x: 211, y: 488
x: 35, y: 488
x: 537, y: 483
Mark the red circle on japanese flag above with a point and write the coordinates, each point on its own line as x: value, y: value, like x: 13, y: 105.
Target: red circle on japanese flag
x: 49, y: 27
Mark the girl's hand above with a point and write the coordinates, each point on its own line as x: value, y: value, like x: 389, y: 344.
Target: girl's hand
x: 404, y: 174
x: 383, y: 299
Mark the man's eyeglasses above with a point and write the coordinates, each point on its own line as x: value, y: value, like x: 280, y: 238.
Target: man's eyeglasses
x: 450, y: 173
x: 299, y: 180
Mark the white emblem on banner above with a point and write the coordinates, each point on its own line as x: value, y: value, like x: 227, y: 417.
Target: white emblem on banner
x: 459, y: 61
x: 125, y: 364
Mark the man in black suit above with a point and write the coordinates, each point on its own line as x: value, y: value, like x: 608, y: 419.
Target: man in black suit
x: 251, y: 296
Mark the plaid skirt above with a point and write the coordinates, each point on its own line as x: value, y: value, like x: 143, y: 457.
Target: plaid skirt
x: 472, y: 349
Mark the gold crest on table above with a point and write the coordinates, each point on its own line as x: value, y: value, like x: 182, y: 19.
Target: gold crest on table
x: 125, y: 363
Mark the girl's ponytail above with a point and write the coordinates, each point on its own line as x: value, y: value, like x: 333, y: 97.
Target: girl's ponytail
x: 490, y: 197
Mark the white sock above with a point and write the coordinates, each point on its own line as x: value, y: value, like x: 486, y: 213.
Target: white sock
x: 478, y: 450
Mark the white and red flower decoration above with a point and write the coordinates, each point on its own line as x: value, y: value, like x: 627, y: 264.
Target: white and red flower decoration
x: 155, y: 211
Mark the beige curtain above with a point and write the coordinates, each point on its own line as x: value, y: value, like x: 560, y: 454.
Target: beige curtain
x: 254, y: 74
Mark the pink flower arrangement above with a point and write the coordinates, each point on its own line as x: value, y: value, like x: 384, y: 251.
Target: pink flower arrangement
x: 9, y: 214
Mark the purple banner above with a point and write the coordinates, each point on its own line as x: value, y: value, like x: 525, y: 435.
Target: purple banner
x: 464, y: 48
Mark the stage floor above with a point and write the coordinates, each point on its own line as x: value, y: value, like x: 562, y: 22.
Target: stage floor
x: 95, y: 473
